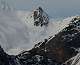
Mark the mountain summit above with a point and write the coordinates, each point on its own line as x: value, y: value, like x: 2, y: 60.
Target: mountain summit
x: 40, y: 17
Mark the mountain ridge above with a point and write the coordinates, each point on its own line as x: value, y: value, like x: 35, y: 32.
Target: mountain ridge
x: 54, y: 50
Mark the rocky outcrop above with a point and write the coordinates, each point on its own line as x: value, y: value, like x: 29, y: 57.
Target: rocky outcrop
x: 3, y: 57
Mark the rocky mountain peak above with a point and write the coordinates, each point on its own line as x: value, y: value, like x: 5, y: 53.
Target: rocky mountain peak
x: 40, y: 17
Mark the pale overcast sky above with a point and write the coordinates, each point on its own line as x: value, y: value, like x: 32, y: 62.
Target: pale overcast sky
x: 55, y: 8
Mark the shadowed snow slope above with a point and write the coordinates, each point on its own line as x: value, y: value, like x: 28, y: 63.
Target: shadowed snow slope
x: 17, y: 31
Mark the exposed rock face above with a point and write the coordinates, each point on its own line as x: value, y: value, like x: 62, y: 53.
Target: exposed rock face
x: 3, y: 57
x: 40, y: 17
x: 6, y: 59
x: 30, y: 57
x: 53, y: 51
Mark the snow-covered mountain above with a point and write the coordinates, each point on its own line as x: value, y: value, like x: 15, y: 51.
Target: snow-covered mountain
x: 33, y: 38
x: 54, y: 50
x: 18, y: 32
